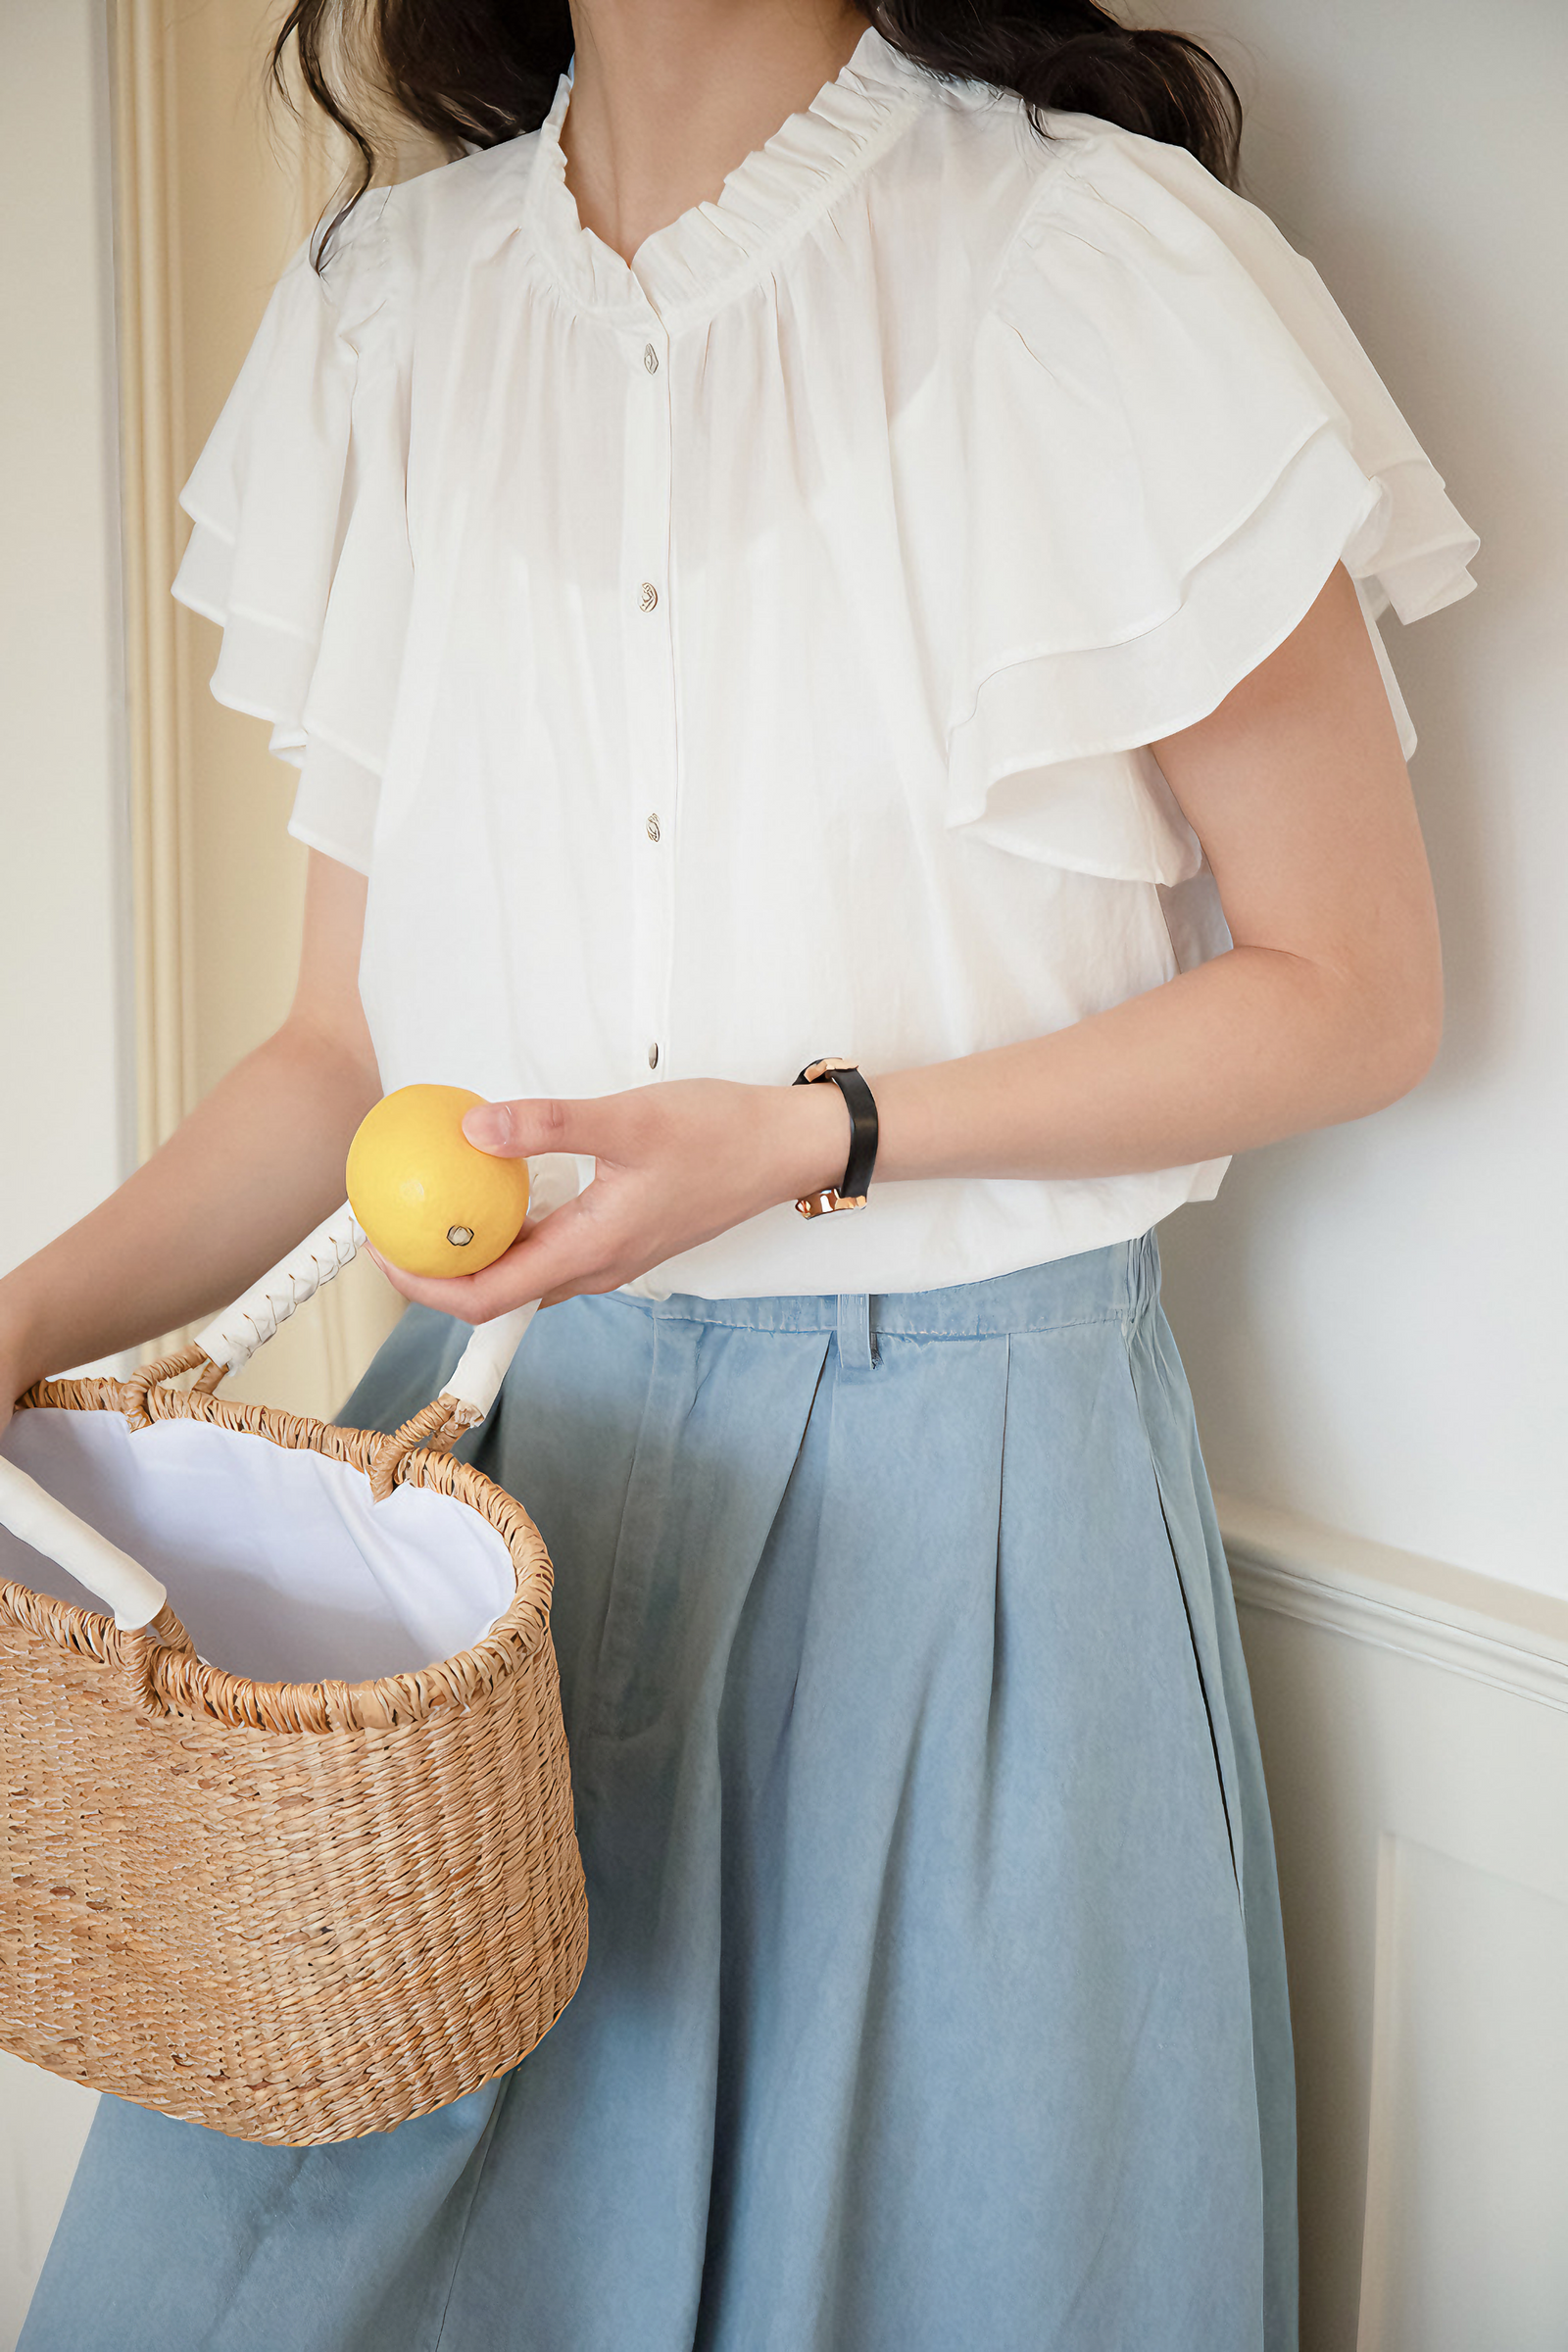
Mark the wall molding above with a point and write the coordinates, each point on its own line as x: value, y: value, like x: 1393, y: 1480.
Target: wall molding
x: 151, y: 379
x: 1501, y: 1634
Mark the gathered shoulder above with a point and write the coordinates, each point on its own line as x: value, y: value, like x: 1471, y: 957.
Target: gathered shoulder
x: 1097, y: 188
x: 394, y: 240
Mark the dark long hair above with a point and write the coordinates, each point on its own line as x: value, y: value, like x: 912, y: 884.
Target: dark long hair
x: 483, y: 71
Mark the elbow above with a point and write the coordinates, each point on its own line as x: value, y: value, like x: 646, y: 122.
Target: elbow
x: 1417, y: 1054
x: 1407, y: 1034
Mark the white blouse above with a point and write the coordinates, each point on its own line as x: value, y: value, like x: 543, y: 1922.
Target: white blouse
x: 749, y: 652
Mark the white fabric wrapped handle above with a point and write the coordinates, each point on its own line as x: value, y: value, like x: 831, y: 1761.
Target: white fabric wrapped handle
x: 31, y: 1512
x: 483, y: 1364
x: 236, y: 1335
x: 233, y: 1339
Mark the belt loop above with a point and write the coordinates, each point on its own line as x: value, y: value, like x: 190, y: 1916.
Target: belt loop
x: 857, y: 1347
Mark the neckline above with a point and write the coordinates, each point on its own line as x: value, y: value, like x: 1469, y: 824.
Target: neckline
x: 707, y: 252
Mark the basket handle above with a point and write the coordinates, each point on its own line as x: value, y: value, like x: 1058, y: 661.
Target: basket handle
x: 31, y: 1512
x: 234, y: 1337
x: 485, y: 1362
x: 230, y: 1341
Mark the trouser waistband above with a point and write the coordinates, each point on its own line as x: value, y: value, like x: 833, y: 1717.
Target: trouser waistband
x: 1118, y: 1281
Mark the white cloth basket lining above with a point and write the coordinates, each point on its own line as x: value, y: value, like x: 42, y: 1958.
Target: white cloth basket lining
x: 277, y: 1561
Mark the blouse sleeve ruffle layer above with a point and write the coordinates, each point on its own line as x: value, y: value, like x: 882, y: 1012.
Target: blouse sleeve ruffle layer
x: 1175, y: 438
x: 300, y: 548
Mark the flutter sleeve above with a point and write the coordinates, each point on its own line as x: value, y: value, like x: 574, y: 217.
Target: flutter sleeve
x: 300, y: 547
x: 1177, y: 436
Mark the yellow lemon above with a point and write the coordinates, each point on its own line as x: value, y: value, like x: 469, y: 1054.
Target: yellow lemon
x: 430, y: 1200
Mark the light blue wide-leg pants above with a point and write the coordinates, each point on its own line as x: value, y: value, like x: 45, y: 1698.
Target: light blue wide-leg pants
x: 936, y: 1994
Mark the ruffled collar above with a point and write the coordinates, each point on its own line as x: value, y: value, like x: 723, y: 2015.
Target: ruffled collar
x: 709, y: 251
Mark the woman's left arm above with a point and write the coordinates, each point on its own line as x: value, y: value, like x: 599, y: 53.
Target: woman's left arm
x: 1327, y: 1006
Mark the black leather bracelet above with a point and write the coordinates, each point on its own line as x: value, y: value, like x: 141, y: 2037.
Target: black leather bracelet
x: 852, y: 1189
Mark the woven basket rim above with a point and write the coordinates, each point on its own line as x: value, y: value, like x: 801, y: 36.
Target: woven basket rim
x: 182, y: 1683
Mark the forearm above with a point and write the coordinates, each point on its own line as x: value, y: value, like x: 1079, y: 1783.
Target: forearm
x: 1252, y: 1046
x: 255, y: 1166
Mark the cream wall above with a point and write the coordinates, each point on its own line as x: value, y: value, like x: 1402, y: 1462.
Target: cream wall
x: 67, y: 1080
x: 1372, y: 1317
x: 66, y: 1110
x: 221, y: 927
x: 180, y: 199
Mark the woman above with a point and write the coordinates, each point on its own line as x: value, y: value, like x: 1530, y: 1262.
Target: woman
x: 771, y: 553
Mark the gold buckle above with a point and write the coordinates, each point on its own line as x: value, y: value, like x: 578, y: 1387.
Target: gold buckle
x: 819, y: 1204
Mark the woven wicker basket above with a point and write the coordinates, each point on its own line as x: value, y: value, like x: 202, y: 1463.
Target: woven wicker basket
x: 293, y: 1911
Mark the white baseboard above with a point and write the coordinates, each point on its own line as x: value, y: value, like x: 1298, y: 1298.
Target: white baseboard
x: 1414, y: 1724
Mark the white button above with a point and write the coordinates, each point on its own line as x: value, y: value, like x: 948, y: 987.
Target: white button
x: 652, y: 1058
x: 647, y: 596
x: 649, y: 358
x: 652, y: 828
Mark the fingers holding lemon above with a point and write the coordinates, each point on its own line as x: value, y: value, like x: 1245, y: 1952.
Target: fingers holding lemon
x: 429, y: 1201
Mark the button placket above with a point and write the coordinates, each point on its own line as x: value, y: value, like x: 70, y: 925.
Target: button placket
x: 650, y: 708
